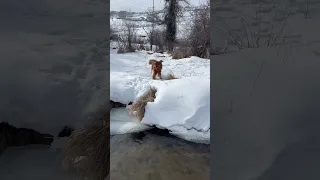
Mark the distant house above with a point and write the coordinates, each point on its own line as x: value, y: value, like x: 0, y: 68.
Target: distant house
x: 113, y: 13
x: 122, y: 14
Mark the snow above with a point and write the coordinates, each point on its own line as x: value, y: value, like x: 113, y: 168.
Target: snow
x: 181, y: 106
x: 130, y: 73
x: 266, y: 106
x: 50, y: 81
x: 263, y: 104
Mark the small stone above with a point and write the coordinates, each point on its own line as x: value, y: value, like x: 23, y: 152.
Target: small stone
x: 138, y: 137
x: 116, y: 104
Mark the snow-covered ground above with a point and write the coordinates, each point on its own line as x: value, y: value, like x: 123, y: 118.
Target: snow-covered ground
x: 263, y: 104
x: 266, y: 102
x: 51, y: 81
x: 181, y: 105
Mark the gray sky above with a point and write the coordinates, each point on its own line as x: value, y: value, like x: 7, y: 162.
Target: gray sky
x: 141, y: 5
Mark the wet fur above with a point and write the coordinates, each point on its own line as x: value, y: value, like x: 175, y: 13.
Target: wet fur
x: 156, y: 68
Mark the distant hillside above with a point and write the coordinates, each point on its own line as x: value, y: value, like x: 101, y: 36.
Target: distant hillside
x: 143, y: 15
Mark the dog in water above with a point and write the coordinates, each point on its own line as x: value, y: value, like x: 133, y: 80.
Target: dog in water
x: 156, y: 67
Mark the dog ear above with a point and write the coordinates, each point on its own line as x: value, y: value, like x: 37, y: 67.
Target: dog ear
x: 161, y: 61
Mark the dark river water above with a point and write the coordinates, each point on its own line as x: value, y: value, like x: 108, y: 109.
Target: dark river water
x: 157, y: 155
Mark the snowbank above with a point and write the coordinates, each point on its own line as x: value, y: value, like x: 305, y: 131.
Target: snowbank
x: 50, y: 90
x: 263, y: 102
x: 130, y: 74
x: 130, y: 77
x: 181, y: 106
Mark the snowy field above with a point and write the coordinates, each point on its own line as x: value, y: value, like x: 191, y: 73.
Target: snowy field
x: 49, y: 78
x: 292, y: 21
x: 181, y: 105
x: 267, y: 100
x: 269, y: 104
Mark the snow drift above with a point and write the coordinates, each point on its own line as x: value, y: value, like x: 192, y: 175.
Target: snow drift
x: 181, y: 105
x: 263, y: 102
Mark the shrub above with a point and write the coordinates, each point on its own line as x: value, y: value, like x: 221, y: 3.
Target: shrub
x: 179, y: 53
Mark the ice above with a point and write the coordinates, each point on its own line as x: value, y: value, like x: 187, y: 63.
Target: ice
x: 121, y: 122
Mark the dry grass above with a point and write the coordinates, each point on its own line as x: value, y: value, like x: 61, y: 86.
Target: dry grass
x: 138, y: 107
x: 181, y: 53
x: 147, y: 48
x: 252, y: 35
x: 93, y: 144
x: 122, y: 50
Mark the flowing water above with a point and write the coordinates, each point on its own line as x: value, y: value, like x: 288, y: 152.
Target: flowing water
x: 153, y: 153
x: 157, y: 155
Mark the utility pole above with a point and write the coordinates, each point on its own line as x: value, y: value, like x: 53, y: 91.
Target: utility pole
x: 152, y: 32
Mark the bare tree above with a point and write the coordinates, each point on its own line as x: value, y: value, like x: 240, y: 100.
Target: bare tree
x: 195, y: 40
x: 113, y: 35
x: 150, y: 32
x: 172, y: 10
x: 159, y: 39
x: 127, y: 37
x: 131, y: 32
x: 199, y: 39
x: 156, y: 37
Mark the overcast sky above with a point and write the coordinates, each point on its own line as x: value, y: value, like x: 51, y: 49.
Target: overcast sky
x: 141, y: 5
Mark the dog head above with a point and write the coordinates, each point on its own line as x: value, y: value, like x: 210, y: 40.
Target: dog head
x: 152, y: 61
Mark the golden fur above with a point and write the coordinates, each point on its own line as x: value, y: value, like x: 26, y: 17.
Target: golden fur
x: 156, y: 67
x: 137, y: 108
